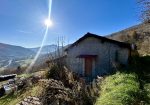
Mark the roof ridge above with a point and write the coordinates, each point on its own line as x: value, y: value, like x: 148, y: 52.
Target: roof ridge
x: 88, y: 34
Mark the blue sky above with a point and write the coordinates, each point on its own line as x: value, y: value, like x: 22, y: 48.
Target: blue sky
x: 22, y: 21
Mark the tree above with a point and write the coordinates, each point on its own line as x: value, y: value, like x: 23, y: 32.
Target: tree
x: 145, y: 10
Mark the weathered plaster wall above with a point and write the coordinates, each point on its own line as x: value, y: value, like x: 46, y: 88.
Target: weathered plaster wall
x: 92, y: 46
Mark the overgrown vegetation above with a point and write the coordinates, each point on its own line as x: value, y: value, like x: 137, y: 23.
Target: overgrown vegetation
x: 131, y: 87
x: 147, y: 90
x: 141, y: 66
x: 70, y: 83
x: 119, y: 89
x: 53, y: 72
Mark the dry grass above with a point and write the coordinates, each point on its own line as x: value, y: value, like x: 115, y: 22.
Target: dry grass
x: 13, y: 99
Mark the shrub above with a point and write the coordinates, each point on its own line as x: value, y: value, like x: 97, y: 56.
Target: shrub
x: 141, y: 66
x: 53, y: 72
x: 147, y: 89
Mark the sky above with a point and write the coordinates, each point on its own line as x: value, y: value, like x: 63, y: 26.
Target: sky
x: 22, y: 21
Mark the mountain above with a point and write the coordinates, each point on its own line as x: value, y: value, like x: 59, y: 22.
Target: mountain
x: 46, y: 49
x: 138, y: 34
x: 12, y: 52
x: 12, y: 56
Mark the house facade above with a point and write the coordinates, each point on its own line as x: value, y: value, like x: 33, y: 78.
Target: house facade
x: 94, y: 55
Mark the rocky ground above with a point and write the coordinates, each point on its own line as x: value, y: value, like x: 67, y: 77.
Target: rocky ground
x: 65, y: 91
x: 30, y: 101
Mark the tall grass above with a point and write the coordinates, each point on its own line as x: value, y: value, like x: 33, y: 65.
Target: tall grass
x: 147, y: 89
x: 119, y: 89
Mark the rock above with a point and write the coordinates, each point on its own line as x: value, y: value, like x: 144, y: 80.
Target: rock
x: 30, y: 101
x: 25, y: 99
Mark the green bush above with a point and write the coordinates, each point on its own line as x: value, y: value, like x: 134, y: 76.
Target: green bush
x: 141, y: 64
x: 53, y: 72
x: 147, y: 89
x: 119, y: 89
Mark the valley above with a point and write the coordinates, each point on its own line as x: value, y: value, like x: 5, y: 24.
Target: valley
x: 14, y: 56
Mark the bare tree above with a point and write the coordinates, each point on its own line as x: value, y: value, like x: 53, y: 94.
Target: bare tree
x: 57, y: 56
x: 145, y: 10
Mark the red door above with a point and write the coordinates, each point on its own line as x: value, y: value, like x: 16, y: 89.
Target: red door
x: 88, y: 66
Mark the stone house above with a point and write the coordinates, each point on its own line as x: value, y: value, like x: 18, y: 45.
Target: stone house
x: 94, y: 55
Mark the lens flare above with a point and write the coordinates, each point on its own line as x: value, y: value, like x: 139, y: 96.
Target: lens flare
x: 48, y: 23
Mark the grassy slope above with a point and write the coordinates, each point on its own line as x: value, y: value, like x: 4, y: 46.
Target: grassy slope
x: 119, y: 89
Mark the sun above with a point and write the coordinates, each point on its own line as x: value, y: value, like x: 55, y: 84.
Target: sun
x: 48, y: 22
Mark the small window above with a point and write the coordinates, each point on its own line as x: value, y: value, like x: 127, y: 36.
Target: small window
x: 116, y: 56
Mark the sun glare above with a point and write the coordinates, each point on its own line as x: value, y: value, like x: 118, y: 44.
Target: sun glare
x: 48, y: 23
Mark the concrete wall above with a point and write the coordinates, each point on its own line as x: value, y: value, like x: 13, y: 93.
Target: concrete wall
x: 106, y: 55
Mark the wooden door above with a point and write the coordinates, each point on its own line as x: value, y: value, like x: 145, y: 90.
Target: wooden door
x: 88, y: 66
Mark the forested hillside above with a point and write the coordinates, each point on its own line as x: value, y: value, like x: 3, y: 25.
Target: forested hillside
x: 139, y: 35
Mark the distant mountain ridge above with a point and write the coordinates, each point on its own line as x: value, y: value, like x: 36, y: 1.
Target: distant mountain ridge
x: 46, y: 49
x: 13, y: 56
x: 11, y: 51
